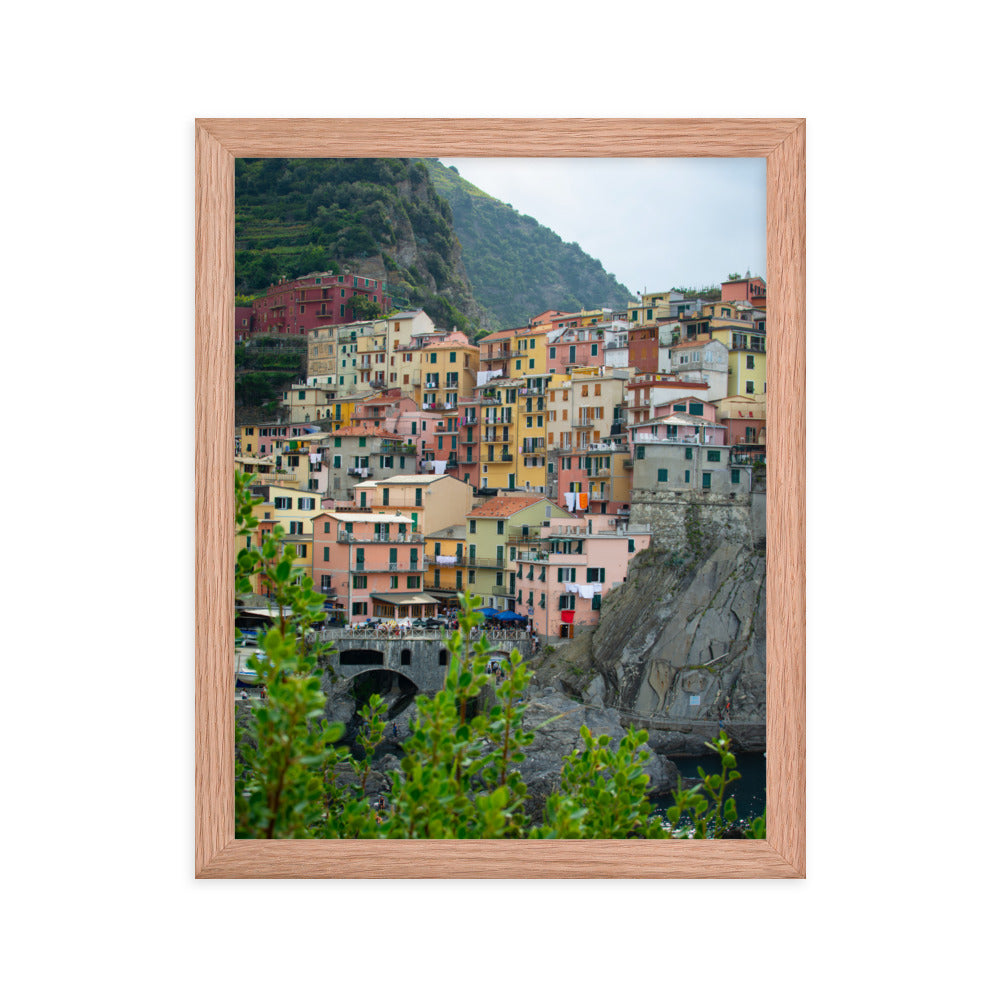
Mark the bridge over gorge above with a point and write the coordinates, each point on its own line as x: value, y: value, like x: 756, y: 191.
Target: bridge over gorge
x: 419, y: 655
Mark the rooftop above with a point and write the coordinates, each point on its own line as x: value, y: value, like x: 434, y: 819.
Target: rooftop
x: 501, y: 507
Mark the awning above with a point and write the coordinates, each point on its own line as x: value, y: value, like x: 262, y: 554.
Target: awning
x: 401, y: 600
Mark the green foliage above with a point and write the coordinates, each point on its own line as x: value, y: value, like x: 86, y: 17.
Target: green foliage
x: 298, y: 216
x: 705, y: 812
x: 283, y: 755
x: 363, y: 308
x: 459, y: 775
x: 603, y: 792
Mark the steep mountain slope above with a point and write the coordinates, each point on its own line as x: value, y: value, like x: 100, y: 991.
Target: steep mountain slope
x: 517, y: 267
x: 380, y: 217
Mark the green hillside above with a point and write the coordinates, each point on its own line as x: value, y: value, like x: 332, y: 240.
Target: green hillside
x: 378, y: 217
x: 517, y: 267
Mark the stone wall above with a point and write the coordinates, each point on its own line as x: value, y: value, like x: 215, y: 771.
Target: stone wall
x: 695, y: 521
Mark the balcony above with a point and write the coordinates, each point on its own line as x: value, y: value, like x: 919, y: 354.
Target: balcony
x: 582, y: 422
x: 516, y: 535
x: 410, y: 538
x: 502, y: 590
x: 398, y: 448
x: 364, y: 366
x: 481, y: 562
x: 431, y: 384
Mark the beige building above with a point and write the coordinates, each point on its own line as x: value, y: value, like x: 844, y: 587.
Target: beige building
x: 582, y: 408
x: 431, y: 502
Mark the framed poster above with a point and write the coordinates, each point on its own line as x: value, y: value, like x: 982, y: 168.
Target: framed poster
x: 218, y: 854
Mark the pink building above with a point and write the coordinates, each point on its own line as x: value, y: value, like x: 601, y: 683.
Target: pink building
x: 293, y: 307
x: 695, y: 405
x: 574, y: 347
x: 370, y: 565
x: 678, y: 428
x: 562, y: 577
x: 597, y: 477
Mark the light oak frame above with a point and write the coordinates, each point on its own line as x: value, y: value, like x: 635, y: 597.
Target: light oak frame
x: 217, y: 853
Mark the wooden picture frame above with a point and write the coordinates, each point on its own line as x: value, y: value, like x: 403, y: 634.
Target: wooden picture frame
x: 217, y: 853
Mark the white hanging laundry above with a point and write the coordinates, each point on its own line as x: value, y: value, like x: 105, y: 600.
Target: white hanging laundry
x: 572, y: 588
x: 598, y: 587
x: 586, y: 590
x: 570, y: 501
x: 439, y: 468
x: 446, y: 560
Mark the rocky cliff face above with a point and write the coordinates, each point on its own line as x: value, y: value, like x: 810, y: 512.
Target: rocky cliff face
x: 679, y: 648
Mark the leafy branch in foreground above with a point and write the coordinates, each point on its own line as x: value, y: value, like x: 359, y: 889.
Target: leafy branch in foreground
x: 459, y: 775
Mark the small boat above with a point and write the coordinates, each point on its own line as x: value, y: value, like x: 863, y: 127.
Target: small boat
x: 246, y: 676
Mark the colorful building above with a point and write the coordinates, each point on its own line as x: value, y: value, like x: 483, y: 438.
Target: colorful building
x: 318, y: 299
x: 572, y: 347
x: 445, y: 576
x: 494, y: 529
x: 448, y: 370
x: 565, y: 572
x: 369, y: 564
x: 432, y: 502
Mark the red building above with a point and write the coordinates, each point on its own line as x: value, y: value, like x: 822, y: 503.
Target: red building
x: 244, y: 322
x: 644, y: 348
x: 752, y: 290
x: 318, y: 299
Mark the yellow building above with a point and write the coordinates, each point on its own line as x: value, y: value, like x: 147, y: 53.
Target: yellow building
x: 448, y: 370
x: 294, y: 510
x: 530, y: 352
x: 445, y: 575
x: 494, y: 529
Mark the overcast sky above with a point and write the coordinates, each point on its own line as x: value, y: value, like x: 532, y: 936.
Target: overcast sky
x: 653, y: 223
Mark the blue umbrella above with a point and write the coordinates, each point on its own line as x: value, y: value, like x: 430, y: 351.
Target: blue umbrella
x: 489, y: 612
x: 509, y: 616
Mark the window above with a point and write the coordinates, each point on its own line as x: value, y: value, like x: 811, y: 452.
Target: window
x: 307, y: 503
x: 451, y: 357
x: 325, y: 582
x: 434, y: 359
x: 419, y: 498
x: 282, y: 503
x: 326, y: 553
x: 413, y: 583
x: 697, y: 409
x: 596, y: 602
x: 552, y: 352
x: 358, y: 607
x: 472, y: 527
x: 689, y: 452
x: 661, y: 475
x: 499, y: 527
x: 750, y: 388
x: 713, y: 456
x: 295, y: 528
x: 750, y: 361
x: 393, y: 582
x: 360, y: 582
x: 734, y: 477
x: 326, y: 527
x: 631, y: 545
x: 302, y: 394
x: 706, y: 480
x: 640, y: 451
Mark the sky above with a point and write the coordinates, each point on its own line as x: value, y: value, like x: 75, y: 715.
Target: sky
x: 652, y: 223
